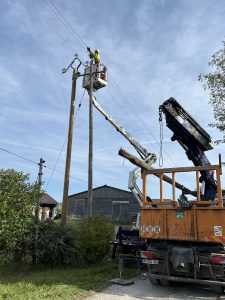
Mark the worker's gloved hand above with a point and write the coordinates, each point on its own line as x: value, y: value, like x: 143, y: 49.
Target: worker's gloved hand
x: 88, y: 49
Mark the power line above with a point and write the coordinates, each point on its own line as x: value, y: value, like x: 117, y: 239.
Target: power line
x: 124, y: 98
x: 53, y: 170
x: 67, y: 24
x: 61, y: 172
x: 50, y: 25
x: 17, y: 155
x: 31, y: 161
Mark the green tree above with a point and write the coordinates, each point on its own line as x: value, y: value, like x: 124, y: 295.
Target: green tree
x: 17, y: 201
x: 215, y: 83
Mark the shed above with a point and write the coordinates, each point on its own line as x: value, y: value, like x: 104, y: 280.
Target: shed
x: 47, y: 204
x: 115, y: 204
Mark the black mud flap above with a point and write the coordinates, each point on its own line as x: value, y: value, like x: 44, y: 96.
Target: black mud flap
x: 190, y: 280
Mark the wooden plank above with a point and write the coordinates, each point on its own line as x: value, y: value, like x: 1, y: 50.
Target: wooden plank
x: 198, y: 187
x: 219, y: 190
x: 140, y: 163
x: 182, y: 169
x: 161, y: 188
x: 144, y: 188
x: 174, y: 187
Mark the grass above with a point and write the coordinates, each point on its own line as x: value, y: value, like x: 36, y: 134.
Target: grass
x: 19, y: 283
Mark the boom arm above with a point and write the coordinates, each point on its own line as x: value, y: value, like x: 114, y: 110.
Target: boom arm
x: 149, y: 158
x: 193, y: 138
x: 145, y: 155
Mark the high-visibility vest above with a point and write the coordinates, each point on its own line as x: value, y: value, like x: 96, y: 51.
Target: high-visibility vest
x: 96, y: 56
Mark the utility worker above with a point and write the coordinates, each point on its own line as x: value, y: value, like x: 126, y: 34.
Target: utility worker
x: 95, y: 55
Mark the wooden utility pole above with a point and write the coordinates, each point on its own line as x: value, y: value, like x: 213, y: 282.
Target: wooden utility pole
x: 37, y: 210
x: 69, y: 149
x: 40, y: 173
x: 90, y: 157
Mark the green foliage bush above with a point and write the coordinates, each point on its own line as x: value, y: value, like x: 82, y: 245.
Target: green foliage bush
x: 83, y: 241
x: 55, y: 245
x: 17, y: 200
x: 49, y: 242
x: 93, y: 239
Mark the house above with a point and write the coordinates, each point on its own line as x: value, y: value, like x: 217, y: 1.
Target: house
x: 115, y: 204
x: 47, y: 206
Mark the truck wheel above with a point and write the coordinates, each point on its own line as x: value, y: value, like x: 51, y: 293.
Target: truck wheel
x: 143, y: 275
x: 154, y: 281
x: 219, y: 290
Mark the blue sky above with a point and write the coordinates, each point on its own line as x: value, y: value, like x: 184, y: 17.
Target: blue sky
x: 153, y: 50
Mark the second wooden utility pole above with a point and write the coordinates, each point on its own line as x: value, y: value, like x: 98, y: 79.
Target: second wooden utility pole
x: 69, y: 149
x: 90, y: 158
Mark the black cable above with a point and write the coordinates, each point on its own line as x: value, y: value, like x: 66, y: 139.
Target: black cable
x: 50, y: 25
x: 24, y: 158
x: 124, y: 98
x: 70, y: 175
x: 66, y: 23
x: 53, y: 170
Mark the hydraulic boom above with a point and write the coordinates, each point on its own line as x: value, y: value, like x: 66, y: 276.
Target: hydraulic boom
x: 194, y: 140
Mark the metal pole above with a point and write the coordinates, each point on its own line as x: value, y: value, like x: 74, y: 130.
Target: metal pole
x: 90, y: 157
x: 69, y: 149
x: 40, y: 173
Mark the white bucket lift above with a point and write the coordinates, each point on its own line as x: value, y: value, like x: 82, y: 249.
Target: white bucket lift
x: 100, y: 77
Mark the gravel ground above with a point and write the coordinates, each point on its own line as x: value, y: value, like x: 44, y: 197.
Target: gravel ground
x: 143, y: 290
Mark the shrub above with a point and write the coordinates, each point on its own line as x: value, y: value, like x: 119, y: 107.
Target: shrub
x: 86, y: 240
x: 93, y: 239
x: 49, y: 242
x: 55, y: 245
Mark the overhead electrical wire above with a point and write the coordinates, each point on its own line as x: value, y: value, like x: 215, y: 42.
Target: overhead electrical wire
x: 36, y: 163
x: 17, y: 155
x: 112, y: 81
x: 61, y: 172
x: 133, y: 110
x: 67, y: 24
x: 72, y: 48
x: 52, y: 27
x: 53, y: 170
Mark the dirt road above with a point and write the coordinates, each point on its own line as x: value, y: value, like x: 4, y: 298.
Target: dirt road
x: 143, y: 290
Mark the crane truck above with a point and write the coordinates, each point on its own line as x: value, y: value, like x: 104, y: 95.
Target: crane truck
x: 180, y: 240
x: 185, y: 239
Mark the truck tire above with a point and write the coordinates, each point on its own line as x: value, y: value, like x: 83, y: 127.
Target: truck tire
x: 219, y: 290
